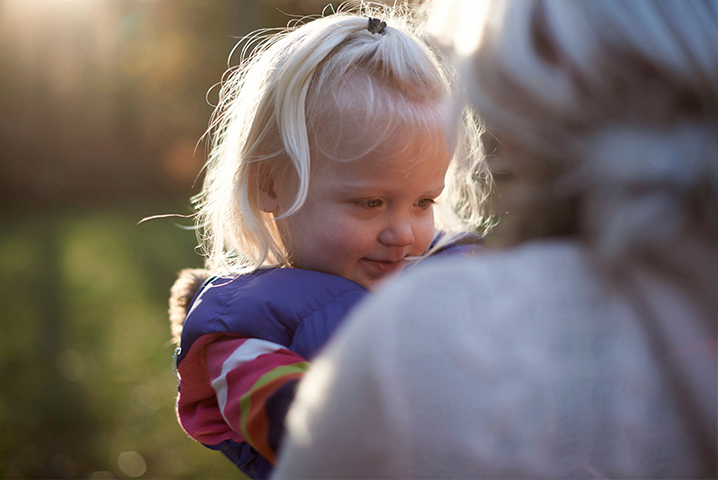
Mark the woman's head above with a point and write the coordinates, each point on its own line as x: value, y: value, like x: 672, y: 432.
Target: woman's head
x: 332, y: 91
x: 583, y: 93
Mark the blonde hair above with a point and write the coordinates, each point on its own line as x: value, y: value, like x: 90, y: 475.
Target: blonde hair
x: 270, y: 103
x: 616, y: 104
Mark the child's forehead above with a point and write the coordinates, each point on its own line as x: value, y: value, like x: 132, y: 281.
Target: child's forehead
x: 401, y: 148
x: 350, y: 137
x: 363, y: 94
x: 404, y: 161
x: 361, y: 115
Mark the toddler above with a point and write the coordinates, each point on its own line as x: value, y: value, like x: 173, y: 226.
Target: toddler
x: 329, y: 150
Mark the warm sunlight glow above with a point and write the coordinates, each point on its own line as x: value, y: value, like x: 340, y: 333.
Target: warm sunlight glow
x: 451, y: 26
x: 51, y: 5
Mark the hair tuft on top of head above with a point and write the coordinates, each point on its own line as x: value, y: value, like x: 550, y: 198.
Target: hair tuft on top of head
x: 376, y: 25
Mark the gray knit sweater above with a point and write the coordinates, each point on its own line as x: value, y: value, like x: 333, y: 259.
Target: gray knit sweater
x: 518, y: 364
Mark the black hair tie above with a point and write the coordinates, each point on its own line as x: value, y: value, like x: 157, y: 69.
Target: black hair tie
x: 376, y: 25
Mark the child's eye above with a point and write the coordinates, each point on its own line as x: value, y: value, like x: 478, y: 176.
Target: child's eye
x: 373, y: 203
x: 425, y: 202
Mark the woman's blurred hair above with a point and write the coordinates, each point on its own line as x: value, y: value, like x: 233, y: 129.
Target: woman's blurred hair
x: 614, y: 105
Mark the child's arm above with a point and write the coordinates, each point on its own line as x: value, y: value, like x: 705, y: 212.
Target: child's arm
x: 254, y: 382
x: 248, y: 387
x: 244, y: 346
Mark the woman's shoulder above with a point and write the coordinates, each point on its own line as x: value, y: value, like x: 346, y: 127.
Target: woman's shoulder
x: 520, y: 292
x: 514, y: 337
x: 536, y: 265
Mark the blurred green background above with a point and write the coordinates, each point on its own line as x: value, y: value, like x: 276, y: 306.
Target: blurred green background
x: 102, y: 103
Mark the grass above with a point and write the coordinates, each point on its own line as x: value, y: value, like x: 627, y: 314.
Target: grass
x: 85, y: 357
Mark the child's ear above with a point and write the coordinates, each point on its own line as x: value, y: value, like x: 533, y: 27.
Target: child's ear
x: 268, y: 199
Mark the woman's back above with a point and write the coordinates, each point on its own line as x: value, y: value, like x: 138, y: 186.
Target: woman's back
x: 558, y: 377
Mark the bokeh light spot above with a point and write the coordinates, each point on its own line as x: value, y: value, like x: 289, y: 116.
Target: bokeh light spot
x: 132, y: 464
x: 143, y: 401
x: 71, y: 365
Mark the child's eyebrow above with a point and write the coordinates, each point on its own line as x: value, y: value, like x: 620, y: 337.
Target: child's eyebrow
x: 372, y: 188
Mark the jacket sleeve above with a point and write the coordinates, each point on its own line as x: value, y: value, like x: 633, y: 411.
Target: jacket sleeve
x: 254, y: 382
x: 251, y: 384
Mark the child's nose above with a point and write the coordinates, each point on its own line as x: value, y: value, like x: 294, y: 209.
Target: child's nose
x: 398, y: 233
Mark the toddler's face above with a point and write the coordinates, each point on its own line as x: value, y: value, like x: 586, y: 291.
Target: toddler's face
x: 363, y: 217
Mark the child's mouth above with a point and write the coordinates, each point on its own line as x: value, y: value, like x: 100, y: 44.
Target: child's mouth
x: 384, y: 266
